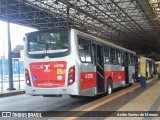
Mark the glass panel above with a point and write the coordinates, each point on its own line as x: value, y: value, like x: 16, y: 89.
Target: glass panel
x: 84, y: 50
x: 119, y: 57
x: 107, y: 60
x: 112, y: 56
x: 48, y: 42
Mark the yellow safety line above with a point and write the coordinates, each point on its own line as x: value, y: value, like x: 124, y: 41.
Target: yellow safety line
x: 100, y: 74
x: 103, y: 102
x: 99, y: 66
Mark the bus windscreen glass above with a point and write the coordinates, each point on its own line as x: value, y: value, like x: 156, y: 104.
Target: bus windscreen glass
x: 47, y: 43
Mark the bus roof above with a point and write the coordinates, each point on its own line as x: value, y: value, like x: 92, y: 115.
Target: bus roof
x: 103, y: 41
x: 86, y: 35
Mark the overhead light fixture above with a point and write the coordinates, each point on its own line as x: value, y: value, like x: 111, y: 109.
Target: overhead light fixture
x: 155, y: 4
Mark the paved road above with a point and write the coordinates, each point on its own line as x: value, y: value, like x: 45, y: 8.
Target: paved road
x: 39, y: 103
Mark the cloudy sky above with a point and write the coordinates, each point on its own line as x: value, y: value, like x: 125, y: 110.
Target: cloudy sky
x: 17, y: 34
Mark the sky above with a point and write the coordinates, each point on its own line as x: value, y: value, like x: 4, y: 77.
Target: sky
x: 17, y: 33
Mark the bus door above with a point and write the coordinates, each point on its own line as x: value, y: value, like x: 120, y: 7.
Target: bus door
x: 126, y: 62
x: 99, y: 68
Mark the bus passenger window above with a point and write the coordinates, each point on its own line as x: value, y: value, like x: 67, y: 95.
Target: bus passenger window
x: 82, y: 55
x: 119, y: 57
x: 131, y: 59
x: 84, y: 50
x: 106, y: 55
x: 112, y: 56
x: 122, y: 58
x: 88, y: 56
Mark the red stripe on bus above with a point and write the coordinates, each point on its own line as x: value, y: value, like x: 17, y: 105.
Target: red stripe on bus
x: 88, y: 80
x: 115, y: 75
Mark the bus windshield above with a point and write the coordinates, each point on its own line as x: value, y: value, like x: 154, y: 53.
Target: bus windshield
x: 47, y: 42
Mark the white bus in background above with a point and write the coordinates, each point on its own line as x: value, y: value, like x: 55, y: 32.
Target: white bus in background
x: 71, y: 62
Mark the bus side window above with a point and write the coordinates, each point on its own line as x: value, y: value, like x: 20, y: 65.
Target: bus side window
x: 84, y: 50
x: 112, y: 56
x: 118, y: 57
x: 106, y: 55
x: 122, y: 58
x: 131, y: 60
x: 126, y: 61
x: 82, y: 55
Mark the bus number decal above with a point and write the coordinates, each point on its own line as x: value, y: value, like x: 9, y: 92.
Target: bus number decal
x: 59, y: 65
x: 89, y: 76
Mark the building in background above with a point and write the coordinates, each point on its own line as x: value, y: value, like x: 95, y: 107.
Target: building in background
x: 17, y: 63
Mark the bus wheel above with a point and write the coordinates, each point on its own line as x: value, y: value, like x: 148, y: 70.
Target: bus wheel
x: 109, y: 87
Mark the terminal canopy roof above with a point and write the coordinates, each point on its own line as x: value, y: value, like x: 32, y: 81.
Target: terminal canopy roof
x: 133, y: 24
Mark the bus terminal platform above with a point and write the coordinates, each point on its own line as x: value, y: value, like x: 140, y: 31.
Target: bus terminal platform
x: 11, y: 93
x: 131, y: 103
x: 126, y: 103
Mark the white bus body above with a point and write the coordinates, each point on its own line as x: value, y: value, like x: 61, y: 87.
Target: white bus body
x: 86, y: 66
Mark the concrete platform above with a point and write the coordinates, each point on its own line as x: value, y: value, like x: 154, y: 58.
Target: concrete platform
x: 145, y: 103
x: 131, y: 103
x: 11, y: 93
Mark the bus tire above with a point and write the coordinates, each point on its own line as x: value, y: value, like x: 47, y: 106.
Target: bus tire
x: 109, y: 86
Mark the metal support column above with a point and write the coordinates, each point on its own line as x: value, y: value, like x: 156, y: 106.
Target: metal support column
x: 9, y: 52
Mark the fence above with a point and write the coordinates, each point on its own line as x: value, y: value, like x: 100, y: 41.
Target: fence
x: 18, y: 74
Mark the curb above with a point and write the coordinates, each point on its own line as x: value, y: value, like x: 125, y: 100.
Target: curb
x: 11, y: 93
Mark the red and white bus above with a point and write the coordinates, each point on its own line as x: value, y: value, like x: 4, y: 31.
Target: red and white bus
x: 71, y: 62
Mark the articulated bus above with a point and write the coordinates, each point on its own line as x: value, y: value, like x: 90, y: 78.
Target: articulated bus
x: 71, y: 62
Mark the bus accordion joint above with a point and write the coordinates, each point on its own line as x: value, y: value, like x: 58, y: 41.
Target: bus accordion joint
x: 71, y: 75
x: 28, y: 82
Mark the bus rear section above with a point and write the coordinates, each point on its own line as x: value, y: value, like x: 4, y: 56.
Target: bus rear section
x: 74, y: 63
x: 49, y: 64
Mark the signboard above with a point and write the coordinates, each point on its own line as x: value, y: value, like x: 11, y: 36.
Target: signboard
x: 158, y: 67
x: 143, y: 66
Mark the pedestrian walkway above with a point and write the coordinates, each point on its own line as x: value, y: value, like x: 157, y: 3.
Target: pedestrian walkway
x: 11, y: 93
x: 130, y: 103
x: 147, y: 101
